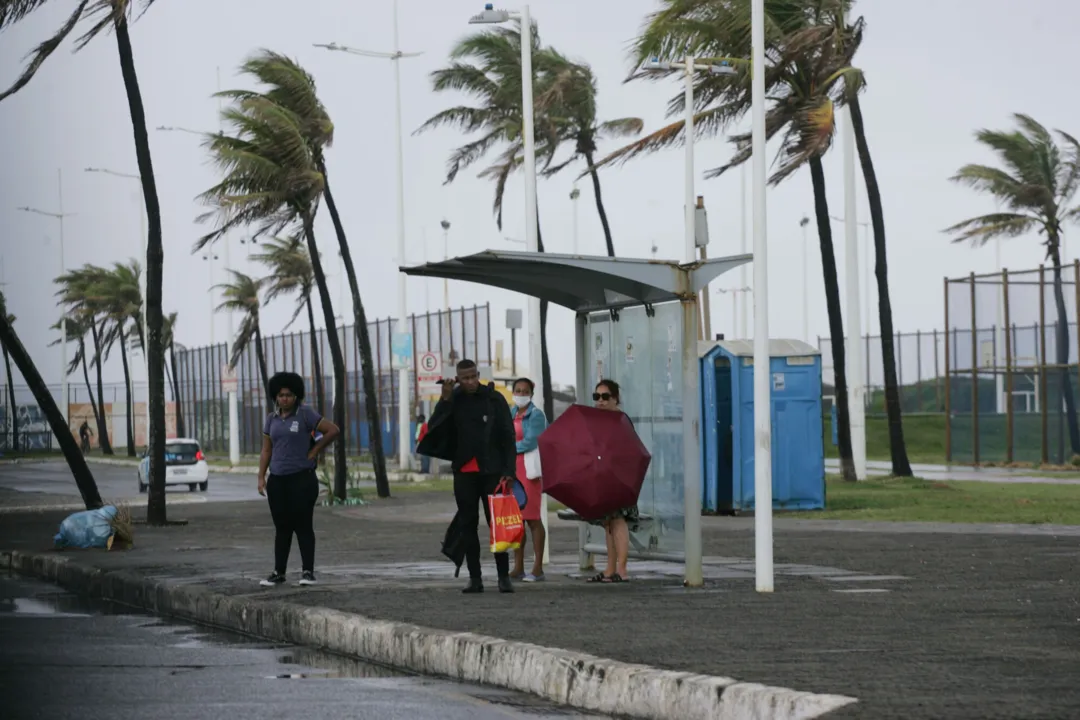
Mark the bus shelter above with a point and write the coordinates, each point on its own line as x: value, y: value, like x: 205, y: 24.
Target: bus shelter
x: 636, y: 323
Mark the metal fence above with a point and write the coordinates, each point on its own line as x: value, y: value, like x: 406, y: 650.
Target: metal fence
x: 464, y: 332
x: 1010, y: 379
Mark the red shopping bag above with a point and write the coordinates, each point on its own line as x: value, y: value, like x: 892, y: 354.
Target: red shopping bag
x: 507, y: 527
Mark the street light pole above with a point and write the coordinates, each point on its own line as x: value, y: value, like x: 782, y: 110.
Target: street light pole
x: 59, y: 217
x: 855, y: 371
x: 763, y: 524
x: 574, y: 195
x: 404, y: 442
x: 805, y: 284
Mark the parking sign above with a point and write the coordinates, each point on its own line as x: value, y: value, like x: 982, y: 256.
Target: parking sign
x: 428, y: 373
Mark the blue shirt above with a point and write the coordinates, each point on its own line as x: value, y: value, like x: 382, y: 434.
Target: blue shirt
x: 290, y: 440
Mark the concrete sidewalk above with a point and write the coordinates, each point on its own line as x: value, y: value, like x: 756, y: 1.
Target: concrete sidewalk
x: 957, y: 622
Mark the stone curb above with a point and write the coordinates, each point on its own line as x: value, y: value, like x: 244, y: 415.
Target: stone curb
x: 568, y: 678
x: 80, y: 506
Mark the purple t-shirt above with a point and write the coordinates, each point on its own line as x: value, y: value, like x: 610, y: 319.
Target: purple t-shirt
x: 290, y: 438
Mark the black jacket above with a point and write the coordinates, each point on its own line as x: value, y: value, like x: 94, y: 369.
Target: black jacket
x: 498, y: 455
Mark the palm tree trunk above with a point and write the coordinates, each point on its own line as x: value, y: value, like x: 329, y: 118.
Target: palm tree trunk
x: 103, y: 424
x: 1062, y: 349
x: 367, y: 363
x: 180, y: 429
x: 86, y: 379
x: 316, y: 366
x: 129, y: 410
x: 12, y: 407
x: 600, y: 204
x: 155, y: 260
x: 836, y: 323
x: 260, y: 356
x: 545, y: 362
x: 901, y: 466
x: 84, y: 479
x: 337, y: 359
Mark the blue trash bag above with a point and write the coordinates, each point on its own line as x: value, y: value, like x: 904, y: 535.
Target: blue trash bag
x: 86, y: 529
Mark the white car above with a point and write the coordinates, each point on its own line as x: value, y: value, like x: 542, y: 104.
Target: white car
x: 185, y: 464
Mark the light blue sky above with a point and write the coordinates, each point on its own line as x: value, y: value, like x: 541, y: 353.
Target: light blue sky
x: 937, y: 70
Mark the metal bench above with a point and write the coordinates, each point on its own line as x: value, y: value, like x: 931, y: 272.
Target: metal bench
x: 643, y: 523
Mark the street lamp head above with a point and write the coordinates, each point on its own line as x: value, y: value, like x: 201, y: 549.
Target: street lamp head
x: 490, y: 16
x: 575, y: 194
x: 804, y: 222
x: 445, y: 224
x: 655, y: 63
x: 722, y: 68
x: 328, y: 46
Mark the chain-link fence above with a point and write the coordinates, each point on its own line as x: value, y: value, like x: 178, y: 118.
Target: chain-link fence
x: 1011, y: 381
x: 454, y: 334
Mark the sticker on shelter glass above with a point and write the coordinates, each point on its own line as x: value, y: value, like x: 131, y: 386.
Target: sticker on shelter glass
x: 629, y: 350
x: 672, y: 347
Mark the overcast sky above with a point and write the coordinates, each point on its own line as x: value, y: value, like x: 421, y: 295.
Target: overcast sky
x: 936, y: 73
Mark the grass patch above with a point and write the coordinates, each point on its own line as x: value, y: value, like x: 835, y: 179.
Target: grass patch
x: 924, y: 436
x: 918, y: 500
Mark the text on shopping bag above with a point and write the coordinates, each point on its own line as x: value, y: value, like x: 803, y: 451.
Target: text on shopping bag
x: 507, y: 527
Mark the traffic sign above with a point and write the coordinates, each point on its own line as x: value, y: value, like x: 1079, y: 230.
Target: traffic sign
x: 229, y: 383
x: 428, y: 373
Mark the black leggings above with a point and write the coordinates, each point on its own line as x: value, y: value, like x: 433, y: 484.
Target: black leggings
x: 471, y: 491
x: 292, y: 505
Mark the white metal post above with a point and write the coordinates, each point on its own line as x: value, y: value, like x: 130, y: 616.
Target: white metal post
x: 63, y: 318
x: 531, y: 235
x: 574, y: 195
x: 855, y: 370
x: 404, y: 414
x: 234, y: 409
x: 763, y: 524
x: 999, y: 338
x: 692, y: 571
x: 805, y: 283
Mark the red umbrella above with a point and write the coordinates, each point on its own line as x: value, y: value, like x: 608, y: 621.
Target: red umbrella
x: 593, y: 461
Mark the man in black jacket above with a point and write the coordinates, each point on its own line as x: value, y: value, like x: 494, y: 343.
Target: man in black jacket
x: 471, y: 427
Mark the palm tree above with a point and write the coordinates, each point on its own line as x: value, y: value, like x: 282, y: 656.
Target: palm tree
x: 292, y: 89
x: 13, y: 409
x: 116, y: 15
x: 116, y: 292
x: 487, y: 67
x: 290, y: 271
x: 242, y: 296
x: 271, y: 181
x: 571, y: 103
x: 77, y: 329
x: 803, y: 80
x: 1034, y: 187
x: 9, y: 341
x: 168, y: 339
x: 74, y: 288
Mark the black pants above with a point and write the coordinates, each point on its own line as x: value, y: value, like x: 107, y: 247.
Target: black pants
x: 471, y: 490
x: 292, y: 505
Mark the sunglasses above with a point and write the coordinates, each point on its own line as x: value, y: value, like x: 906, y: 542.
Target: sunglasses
x: 601, y: 396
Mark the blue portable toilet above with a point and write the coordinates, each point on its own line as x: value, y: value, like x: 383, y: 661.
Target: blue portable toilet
x: 727, y: 414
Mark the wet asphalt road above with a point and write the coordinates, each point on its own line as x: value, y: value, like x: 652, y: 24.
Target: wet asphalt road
x: 65, y: 658
x: 115, y: 483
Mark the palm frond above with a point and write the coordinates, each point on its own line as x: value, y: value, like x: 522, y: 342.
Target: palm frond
x: 982, y: 229
x: 42, y: 52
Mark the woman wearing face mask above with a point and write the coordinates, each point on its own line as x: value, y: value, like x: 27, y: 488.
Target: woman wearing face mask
x: 529, y: 422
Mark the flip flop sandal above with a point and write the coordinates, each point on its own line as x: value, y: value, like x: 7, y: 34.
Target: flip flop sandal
x: 617, y: 578
x: 599, y: 578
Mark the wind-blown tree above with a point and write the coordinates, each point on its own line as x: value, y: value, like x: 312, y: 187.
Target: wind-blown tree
x: 803, y: 81
x: 292, y: 88
x: 74, y: 287
x: 77, y: 329
x: 168, y: 338
x: 117, y: 15
x: 13, y: 409
x: 14, y: 349
x: 271, y: 181
x: 570, y: 103
x: 290, y: 272
x: 116, y: 293
x: 486, y: 66
x: 242, y: 296
x: 1034, y: 188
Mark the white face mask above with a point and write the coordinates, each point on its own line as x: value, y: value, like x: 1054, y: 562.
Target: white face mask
x: 522, y: 400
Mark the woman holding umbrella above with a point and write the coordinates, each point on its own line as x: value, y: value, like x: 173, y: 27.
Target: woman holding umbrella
x: 529, y: 422
x: 617, y: 530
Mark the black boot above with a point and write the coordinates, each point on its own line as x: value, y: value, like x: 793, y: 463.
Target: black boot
x: 505, y: 586
x: 476, y: 585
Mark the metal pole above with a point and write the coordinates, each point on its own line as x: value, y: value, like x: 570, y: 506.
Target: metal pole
x: 513, y: 352
x: 63, y: 318
x: 404, y: 457
x: 805, y: 283
x: 857, y: 406
x: 574, y: 195
x: 691, y: 394
x: 763, y: 525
